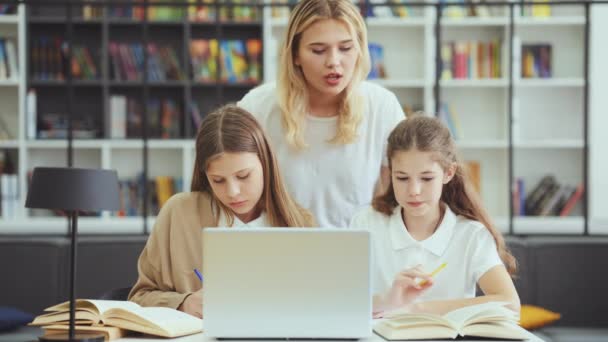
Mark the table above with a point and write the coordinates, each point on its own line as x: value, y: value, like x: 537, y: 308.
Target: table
x: 202, y: 338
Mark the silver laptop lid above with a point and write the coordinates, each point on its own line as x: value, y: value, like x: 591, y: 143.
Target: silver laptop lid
x: 286, y: 283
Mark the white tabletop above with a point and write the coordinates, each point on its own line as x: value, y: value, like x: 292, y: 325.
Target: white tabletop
x: 202, y: 338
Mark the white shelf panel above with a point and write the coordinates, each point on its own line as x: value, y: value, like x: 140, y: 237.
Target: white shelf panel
x: 551, y: 21
x: 153, y: 143
x: 548, y: 224
x: 557, y: 143
x: 475, y: 22
x: 61, y: 143
x: 475, y: 83
x: 86, y: 225
x: 415, y: 83
x: 598, y: 225
x: 551, y: 82
x: 482, y: 144
x: 9, y: 19
x: 371, y: 22
x: 9, y: 144
x: 114, y: 144
x: 395, y: 22
x: 9, y: 83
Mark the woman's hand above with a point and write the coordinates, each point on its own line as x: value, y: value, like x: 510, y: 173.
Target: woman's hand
x: 405, y: 289
x: 193, y: 304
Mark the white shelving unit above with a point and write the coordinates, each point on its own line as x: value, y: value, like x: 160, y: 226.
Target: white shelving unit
x: 547, y: 115
x: 11, y: 91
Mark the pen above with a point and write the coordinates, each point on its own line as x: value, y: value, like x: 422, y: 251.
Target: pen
x: 198, y: 274
x: 442, y: 266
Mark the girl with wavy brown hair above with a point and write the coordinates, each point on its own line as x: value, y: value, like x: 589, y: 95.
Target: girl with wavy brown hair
x: 432, y: 218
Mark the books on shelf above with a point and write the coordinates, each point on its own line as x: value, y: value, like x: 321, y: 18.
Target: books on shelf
x: 239, y: 60
x: 547, y: 198
x: 536, y: 61
x: 471, y: 59
x: 49, y: 56
x: 376, y: 54
x: 474, y: 173
x: 450, y: 118
x: 9, y: 69
x: 160, y: 189
x: 394, y: 11
x: 196, y: 11
x: 127, y: 62
x: 55, y: 126
x: 487, y: 320
x: 539, y: 9
x: 126, y: 118
x: 158, y: 321
x: 8, y: 9
x: 284, y: 10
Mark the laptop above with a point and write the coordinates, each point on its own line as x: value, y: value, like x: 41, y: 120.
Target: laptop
x: 286, y: 283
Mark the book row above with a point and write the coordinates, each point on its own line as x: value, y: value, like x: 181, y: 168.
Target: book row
x: 196, y: 11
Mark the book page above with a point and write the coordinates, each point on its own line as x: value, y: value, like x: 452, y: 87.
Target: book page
x: 153, y: 320
x: 416, y: 332
x: 81, y: 317
x: 500, y: 330
x: 402, y: 318
x: 479, y: 313
x: 96, y: 306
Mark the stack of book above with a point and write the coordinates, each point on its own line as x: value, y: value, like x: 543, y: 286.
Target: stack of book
x: 115, y: 319
x: 547, y: 198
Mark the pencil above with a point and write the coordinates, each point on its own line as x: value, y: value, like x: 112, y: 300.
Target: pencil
x: 437, y: 270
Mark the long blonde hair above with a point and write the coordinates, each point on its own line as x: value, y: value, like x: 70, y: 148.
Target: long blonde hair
x: 429, y: 134
x: 233, y: 129
x: 291, y: 85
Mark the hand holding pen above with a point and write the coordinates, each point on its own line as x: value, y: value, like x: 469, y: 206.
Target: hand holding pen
x: 193, y: 303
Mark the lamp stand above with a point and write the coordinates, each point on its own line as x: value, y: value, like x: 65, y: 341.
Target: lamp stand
x: 72, y: 336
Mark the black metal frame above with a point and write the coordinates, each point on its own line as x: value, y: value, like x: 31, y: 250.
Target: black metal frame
x: 364, y: 5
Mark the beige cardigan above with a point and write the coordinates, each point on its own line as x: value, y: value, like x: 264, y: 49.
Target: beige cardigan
x: 166, y: 264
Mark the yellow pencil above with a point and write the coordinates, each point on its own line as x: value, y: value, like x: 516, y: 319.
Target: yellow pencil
x: 437, y: 270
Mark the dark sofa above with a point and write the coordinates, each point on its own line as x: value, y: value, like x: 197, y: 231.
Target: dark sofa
x: 564, y: 274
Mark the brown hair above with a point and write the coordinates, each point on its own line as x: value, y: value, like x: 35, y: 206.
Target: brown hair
x: 291, y: 84
x: 429, y: 134
x: 233, y: 129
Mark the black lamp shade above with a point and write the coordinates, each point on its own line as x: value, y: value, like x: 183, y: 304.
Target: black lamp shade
x: 74, y: 189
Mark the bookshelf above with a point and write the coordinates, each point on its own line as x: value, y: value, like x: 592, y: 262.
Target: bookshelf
x: 101, y: 79
x: 546, y: 114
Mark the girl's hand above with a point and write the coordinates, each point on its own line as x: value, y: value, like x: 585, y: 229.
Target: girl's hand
x: 406, y: 288
x: 193, y: 304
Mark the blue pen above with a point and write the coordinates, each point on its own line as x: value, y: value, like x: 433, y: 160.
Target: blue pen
x: 198, y: 274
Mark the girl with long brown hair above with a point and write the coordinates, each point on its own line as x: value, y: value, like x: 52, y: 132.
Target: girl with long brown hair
x: 431, y: 215
x: 236, y: 182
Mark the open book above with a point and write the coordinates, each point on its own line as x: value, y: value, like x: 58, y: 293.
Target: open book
x: 490, y: 320
x: 157, y: 321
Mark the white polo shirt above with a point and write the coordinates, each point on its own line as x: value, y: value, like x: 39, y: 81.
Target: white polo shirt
x: 467, y: 247
x: 330, y: 180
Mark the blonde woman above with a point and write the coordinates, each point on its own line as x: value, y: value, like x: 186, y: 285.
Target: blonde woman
x: 328, y: 126
x: 236, y: 182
